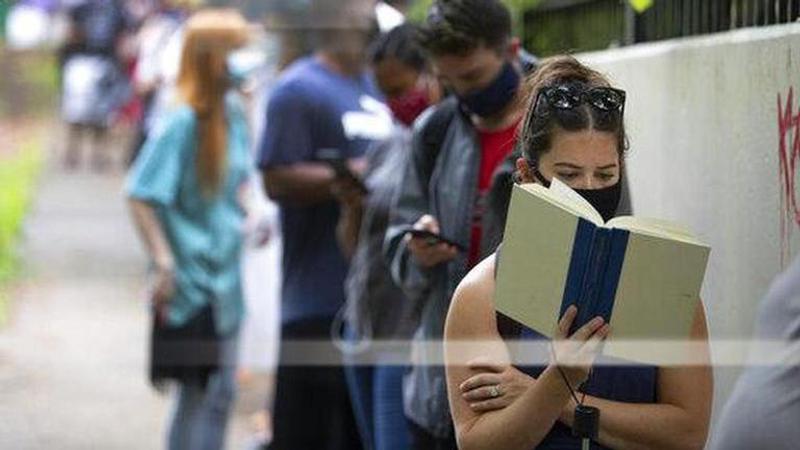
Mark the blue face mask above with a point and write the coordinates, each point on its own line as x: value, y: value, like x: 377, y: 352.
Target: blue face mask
x: 494, y: 97
x: 242, y: 64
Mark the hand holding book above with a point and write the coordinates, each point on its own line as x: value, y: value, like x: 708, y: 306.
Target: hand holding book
x: 574, y: 354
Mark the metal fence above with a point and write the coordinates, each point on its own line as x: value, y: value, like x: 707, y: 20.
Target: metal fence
x: 556, y: 26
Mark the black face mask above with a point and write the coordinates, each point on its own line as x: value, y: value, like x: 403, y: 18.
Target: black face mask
x: 605, y: 200
x: 494, y: 97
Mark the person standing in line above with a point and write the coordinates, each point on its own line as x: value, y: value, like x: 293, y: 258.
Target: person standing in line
x: 376, y: 307
x: 93, y: 83
x: 457, y: 181
x: 764, y: 407
x: 324, y: 103
x: 574, y: 131
x: 157, y: 64
x: 185, y: 192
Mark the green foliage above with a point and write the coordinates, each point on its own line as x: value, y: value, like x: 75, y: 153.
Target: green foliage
x: 17, y: 177
x: 558, y: 31
x: 518, y: 7
x: 4, y: 8
x: 418, y: 10
x: 641, y: 6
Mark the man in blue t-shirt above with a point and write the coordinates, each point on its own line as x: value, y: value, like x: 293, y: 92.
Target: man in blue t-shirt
x: 320, y: 103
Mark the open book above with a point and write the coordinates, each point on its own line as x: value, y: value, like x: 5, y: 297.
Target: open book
x: 643, y: 276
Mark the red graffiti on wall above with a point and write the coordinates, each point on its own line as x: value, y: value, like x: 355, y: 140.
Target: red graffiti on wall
x: 788, y: 154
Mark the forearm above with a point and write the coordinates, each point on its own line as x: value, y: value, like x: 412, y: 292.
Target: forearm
x: 301, y: 184
x: 523, y: 424
x: 347, y: 230
x: 149, y: 228
x: 644, y: 425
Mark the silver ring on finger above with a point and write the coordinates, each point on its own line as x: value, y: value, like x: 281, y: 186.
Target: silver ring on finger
x: 494, y: 391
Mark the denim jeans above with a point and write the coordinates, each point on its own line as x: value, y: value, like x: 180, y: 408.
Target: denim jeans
x: 200, y: 415
x: 377, y: 397
x: 376, y: 393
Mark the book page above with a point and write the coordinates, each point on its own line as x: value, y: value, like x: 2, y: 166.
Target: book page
x: 534, y: 261
x: 561, y: 189
x: 565, y: 202
x: 657, y: 296
x: 655, y: 228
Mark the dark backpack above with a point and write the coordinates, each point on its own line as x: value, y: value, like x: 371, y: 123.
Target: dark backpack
x: 435, y: 132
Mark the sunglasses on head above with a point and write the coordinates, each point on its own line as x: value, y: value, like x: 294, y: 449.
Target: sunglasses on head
x: 566, y: 97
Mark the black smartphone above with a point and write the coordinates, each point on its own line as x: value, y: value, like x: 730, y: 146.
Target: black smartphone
x: 333, y: 158
x: 432, y: 238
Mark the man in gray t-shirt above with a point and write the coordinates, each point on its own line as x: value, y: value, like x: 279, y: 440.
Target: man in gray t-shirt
x: 764, y: 409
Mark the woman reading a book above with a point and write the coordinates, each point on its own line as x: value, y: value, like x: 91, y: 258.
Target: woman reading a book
x: 574, y: 132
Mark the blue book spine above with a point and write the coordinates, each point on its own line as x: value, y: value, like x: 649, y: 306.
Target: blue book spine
x: 618, y: 244
x: 579, y: 264
x: 595, y: 268
x: 593, y: 279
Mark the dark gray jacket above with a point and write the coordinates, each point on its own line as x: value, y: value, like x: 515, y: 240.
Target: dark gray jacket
x: 442, y: 182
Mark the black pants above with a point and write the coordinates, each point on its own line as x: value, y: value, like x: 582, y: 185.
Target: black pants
x: 312, y: 404
x: 421, y: 439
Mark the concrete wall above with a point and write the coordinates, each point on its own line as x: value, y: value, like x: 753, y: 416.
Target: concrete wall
x: 705, y: 143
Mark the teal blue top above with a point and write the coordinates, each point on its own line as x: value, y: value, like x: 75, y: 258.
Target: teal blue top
x: 204, y: 234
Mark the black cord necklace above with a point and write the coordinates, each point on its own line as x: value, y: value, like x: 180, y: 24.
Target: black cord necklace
x: 586, y: 421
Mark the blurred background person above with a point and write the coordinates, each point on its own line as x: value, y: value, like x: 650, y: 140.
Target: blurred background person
x: 764, y: 407
x: 185, y: 194
x: 94, y: 85
x: 376, y: 307
x: 390, y: 14
x: 324, y: 102
x: 157, y: 61
x: 255, y: 69
x: 31, y: 23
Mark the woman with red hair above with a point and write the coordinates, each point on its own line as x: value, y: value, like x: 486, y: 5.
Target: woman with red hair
x: 185, y: 192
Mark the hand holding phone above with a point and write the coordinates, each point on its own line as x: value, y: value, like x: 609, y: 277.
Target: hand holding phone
x: 427, y: 246
x: 432, y: 238
x: 333, y: 158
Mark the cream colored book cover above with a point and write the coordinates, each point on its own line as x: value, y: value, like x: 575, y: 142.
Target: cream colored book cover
x: 659, y: 282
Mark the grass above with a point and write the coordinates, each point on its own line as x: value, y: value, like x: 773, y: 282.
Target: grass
x: 18, y: 173
x: 28, y: 94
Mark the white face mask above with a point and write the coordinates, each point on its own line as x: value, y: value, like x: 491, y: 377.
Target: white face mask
x: 244, y: 63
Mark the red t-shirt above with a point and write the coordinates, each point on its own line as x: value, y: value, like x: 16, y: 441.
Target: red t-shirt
x: 495, y: 147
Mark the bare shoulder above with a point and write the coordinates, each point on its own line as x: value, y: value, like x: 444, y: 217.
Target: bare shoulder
x: 472, y: 307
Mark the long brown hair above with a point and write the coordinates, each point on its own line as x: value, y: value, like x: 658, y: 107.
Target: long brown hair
x: 202, y: 83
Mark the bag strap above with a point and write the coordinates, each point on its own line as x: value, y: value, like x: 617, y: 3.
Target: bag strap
x: 435, y: 132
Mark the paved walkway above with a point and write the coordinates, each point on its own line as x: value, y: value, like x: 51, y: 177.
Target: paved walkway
x: 72, y: 357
